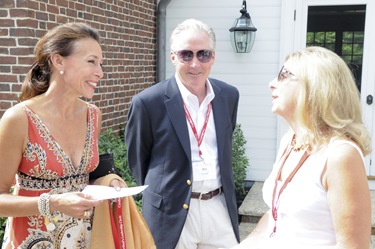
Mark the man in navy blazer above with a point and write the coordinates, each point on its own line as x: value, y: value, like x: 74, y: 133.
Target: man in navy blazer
x: 179, y: 143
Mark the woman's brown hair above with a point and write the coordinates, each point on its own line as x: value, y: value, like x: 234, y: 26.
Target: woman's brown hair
x: 60, y: 40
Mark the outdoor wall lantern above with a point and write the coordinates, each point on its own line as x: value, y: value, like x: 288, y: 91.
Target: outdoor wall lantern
x: 242, y: 34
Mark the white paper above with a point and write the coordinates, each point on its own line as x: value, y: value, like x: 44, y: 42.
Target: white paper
x: 104, y: 192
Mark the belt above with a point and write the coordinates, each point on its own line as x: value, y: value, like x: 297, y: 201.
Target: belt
x: 205, y: 196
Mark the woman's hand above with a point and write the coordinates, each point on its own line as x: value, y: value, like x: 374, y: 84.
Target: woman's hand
x: 74, y: 204
x: 117, y: 184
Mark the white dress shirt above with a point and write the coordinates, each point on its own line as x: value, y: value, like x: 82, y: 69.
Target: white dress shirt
x: 208, y: 146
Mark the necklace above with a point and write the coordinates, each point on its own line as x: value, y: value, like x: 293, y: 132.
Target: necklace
x: 298, y: 147
x: 275, y: 199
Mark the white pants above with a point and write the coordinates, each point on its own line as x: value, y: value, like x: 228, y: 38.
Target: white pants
x: 207, y: 225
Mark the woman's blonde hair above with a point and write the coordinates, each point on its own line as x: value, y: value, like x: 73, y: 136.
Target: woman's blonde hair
x: 329, y: 102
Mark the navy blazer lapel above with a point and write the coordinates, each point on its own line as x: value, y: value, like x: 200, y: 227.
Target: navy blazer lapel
x: 219, y: 110
x: 175, y: 109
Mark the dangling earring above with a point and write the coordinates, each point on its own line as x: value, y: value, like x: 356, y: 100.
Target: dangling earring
x: 61, y: 72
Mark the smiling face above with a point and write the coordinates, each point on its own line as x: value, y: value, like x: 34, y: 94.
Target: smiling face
x: 285, y: 89
x: 83, y: 68
x: 194, y: 73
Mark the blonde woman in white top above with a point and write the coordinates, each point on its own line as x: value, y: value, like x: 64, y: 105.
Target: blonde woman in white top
x: 318, y: 192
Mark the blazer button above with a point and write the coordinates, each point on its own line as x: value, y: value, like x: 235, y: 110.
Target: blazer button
x: 185, y: 206
x: 188, y: 182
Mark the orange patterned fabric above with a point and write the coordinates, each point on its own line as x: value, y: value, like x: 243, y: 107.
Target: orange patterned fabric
x: 46, y: 168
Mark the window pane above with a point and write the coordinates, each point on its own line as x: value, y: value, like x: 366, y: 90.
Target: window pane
x: 358, y: 37
x: 357, y: 59
x: 347, y: 37
x: 319, y: 37
x: 310, y: 37
x: 331, y: 47
x: 347, y: 49
x: 331, y: 37
x: 358, y: 49
x: 347, y: 59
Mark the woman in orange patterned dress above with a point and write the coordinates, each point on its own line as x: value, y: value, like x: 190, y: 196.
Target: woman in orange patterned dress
x: 49, y: 143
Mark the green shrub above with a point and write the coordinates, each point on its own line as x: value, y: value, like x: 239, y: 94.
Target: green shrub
x: 109, y: 142
x: 114, y: 144
x: 3, y: 221
x: 240, y: 162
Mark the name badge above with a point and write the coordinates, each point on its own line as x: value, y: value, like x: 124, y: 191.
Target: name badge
x: 204, y: 171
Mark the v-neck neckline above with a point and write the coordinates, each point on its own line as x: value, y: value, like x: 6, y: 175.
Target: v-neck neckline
x: 55, y: 143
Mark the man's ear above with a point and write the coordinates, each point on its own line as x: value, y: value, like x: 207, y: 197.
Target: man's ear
x: 213, y: 56
x: 174, y: 58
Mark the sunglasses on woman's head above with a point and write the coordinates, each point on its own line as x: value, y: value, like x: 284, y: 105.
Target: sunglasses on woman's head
x: 283, y: 74
x: 185, y: 56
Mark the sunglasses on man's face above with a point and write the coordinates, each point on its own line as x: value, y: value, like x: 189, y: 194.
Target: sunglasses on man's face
x: 283, y: 74
x: 185, y: 56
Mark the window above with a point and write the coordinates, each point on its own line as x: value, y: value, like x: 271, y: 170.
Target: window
x: 340, y: 29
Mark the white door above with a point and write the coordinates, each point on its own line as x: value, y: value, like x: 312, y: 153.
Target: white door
x: 297, y: 30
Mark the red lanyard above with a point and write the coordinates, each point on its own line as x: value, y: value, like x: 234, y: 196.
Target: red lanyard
x: 194, y: 129
x: 118, y: 231
x: 290, y: 177
x: 121, y: 223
